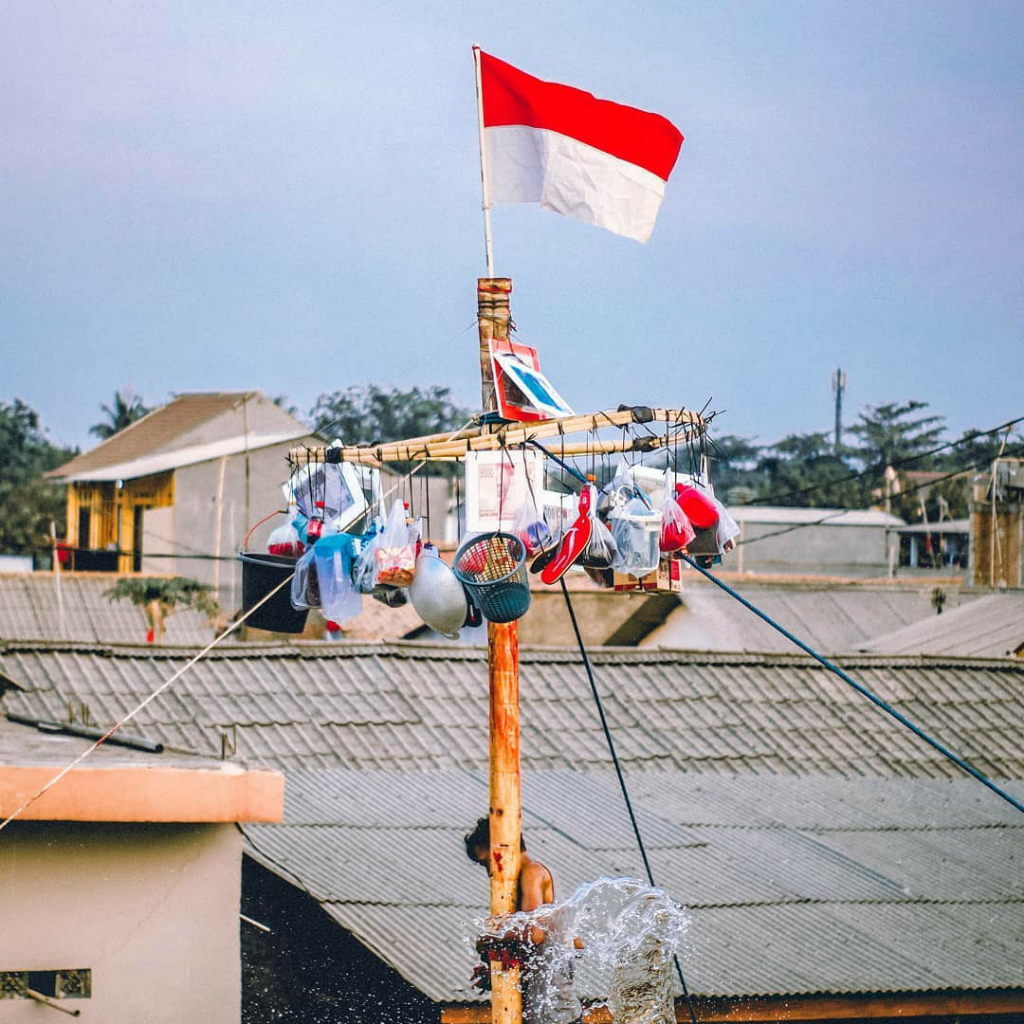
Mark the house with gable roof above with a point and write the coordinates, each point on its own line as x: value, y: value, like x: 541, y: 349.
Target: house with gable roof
x: 176, y: 491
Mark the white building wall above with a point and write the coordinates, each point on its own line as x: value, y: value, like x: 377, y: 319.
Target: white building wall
x: 151, y: 909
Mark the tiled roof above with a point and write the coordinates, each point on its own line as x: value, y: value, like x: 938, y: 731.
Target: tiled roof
x: 989, y: 627
x: 834, y: 618
x: 820, y: 847
x: 155, y: 431
x: 42, y: 606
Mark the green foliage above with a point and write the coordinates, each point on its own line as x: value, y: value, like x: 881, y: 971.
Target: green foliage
x: 127, y: 408
x: 365, y: 413
x: 734, y: 467
x: 891, y: 433
x: 28, y: 502
x: 802, y: 470
x: 178, y: 591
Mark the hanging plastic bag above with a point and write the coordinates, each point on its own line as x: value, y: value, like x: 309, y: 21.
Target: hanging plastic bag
x: 601, y: 550
x: 334, y: 557
x: 364, y: 569
x: 531, y: 528
x: 305, y: 585
x: 728, y: 529
x: 285, y: 541
x: 395, y: 551
x: 637, y: 533
x: 676, y: 530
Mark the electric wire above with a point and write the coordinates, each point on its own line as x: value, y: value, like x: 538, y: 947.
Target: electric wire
x: 909, y: 490
x: 861, y: 689
x: 876, y: 467
x: 622, y: 779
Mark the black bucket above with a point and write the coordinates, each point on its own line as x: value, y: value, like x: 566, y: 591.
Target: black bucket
x: 260, y: 574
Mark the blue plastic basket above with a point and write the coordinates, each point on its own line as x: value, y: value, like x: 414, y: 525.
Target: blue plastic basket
x: 492, y: 567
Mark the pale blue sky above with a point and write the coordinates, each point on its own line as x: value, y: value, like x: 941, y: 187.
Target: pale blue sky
x: 286, y: 197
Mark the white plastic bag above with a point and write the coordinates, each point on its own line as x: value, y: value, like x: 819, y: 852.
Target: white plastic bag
x: 728, y: 529
x: 395, y: 551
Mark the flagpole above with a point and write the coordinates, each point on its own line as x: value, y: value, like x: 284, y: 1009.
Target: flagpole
x: 483, y: 164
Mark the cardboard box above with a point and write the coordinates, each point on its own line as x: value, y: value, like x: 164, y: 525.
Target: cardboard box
x: 666, y: 579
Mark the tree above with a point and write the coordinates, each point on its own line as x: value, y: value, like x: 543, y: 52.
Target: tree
x: 365, y: 413
x: 28, y: 502
x: 734, y: 467
x: 890, y: 434
x: 127, y: 408
x: 803, y: 470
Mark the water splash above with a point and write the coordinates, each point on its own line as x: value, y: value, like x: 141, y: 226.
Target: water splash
x: 629, y: 933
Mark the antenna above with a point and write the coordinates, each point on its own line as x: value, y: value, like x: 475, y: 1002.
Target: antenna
x: 838, y: 386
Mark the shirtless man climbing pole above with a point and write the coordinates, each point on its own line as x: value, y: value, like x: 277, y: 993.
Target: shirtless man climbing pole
x: 546, y: 980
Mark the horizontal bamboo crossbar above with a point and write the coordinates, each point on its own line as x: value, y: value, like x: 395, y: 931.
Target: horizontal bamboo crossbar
x: 488, y: 437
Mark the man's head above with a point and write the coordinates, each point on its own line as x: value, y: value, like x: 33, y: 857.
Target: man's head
x: 478, y: 843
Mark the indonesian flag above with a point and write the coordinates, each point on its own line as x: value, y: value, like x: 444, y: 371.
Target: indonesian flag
x: 573, y: 153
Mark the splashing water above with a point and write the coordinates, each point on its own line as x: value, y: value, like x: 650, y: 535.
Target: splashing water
x: 629, y: 933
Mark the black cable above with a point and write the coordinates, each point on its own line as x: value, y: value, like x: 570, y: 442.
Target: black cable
x: 811, y: 488
x: 622, y: 781
x: 863, y: 690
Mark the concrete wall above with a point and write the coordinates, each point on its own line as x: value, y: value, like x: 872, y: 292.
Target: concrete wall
x: 834, y: 550
x: 152, y: 910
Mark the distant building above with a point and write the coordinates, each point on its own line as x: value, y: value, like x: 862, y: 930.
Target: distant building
x: 176, y: 491
x: 122, y: 883
x: 823, y: 541
x: 997, y: 525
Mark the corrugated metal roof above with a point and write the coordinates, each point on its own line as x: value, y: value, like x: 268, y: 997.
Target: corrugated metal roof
x: 780, y: 905
x: 834, y: 619
x: 989, y: 627
x: 408, y: 705
x: 820, y: 848
x: 71, y: 606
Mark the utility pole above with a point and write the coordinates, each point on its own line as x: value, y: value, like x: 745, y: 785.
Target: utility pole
x: 839, y: 386
x: 493, y: 317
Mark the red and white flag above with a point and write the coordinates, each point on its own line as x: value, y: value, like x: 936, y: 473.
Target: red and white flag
x: 573, y: 153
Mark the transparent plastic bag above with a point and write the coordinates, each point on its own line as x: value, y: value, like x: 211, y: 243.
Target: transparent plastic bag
x: 334, y: 557
x: 637, y: 533
x: 305, y: 585
x: 285, y: 541
x: 676, y: 530
x: 531, y: 528
x: 601, y: 550
x: 728, y: 529
x: 395, y: 550
x: 364, y: 569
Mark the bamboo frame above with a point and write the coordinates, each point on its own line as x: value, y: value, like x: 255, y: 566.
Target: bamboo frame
x: 510, y: 435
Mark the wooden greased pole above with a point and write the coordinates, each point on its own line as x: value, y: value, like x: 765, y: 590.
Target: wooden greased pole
x: 503, y: 702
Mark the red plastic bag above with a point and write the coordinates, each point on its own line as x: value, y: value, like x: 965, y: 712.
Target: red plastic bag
x: 676, y: 529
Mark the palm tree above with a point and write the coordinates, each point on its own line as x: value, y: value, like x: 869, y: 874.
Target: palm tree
x: 127, y: 408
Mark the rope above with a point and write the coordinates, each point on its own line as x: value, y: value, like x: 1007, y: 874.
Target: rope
x: 863, y: 690
x: 622, y: 781
x: 131, y: 714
